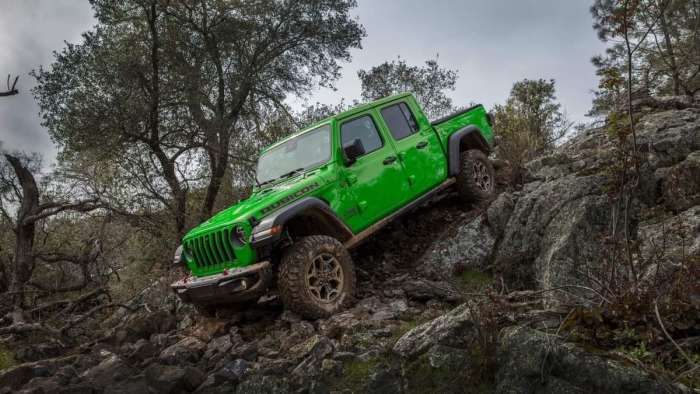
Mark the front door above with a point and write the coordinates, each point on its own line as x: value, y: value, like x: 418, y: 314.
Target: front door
x: 376, y: 179
x: 418, y: 147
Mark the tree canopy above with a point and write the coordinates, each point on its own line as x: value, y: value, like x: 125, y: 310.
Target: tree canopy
x: 429, y: 83
x: 167, y: 92
x: 531, y: 120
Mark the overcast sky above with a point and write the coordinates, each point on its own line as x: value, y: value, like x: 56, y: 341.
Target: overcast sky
x: 491, y: 43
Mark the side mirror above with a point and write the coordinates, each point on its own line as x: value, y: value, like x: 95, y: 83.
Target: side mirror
x: 353, y: 150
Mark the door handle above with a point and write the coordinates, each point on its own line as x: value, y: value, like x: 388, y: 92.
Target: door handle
x: 389, y: 160
x: 422, y: 145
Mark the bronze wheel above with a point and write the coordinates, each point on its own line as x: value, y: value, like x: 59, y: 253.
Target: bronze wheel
x: 476, y: 180
x: 316, y: 277
x: 324, y: 278
x: 482, y: 177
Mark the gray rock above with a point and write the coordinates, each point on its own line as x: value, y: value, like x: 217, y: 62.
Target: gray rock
x: 534, y: 362
x: 142, y: 350
x: 672, y: 238
x: 424, y: 290
x: 232, y: 372
x: 17, y: 376
x: 670, y: 135
x: 263, y: 384
x: 499, y: 212
x: 130, y: 385
x: 107, y: 372
x: 553, y: 229
x: 390, y: 311
x: 455, y: 329
x: 143, y: 324
x: 217, y: 347
x: 385, y: 379
x: 188, y: 350
x: 470, y: 245
x: 315, y: 351
x: 168, y: 379
x: 680, y: 184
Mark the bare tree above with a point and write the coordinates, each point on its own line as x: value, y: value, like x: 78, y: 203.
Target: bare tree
x: 11, y: 89
x: 19, y: 185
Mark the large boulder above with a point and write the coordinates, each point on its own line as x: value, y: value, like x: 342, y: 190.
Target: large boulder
x: 455, y: 329
x: 531, y: 361
x: 560, y: 219
x: 554, y: 227
x: 499, y: 212
x: 670, y: 136
x: 467, y: 245
x: 444, y: 355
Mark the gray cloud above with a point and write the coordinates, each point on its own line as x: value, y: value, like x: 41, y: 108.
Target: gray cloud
x: 30, y: 30
x: 492, y: 43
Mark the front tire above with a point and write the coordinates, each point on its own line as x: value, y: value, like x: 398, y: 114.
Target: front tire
x: 317, y: 277
x: 476, y: 180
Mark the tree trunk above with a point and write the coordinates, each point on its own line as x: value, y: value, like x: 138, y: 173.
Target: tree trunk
x: 23, y: 262
x: 675, y: 73
x: 218, y: 159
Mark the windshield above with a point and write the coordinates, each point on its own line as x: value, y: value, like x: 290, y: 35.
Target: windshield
x: 299, y: 153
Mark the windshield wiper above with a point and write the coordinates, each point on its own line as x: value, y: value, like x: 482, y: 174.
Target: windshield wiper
x: 290, y: 173
x: 285, y: 175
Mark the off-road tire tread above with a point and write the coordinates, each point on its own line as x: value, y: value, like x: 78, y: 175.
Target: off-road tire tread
x: 466, y: 187
x: 291, y: 276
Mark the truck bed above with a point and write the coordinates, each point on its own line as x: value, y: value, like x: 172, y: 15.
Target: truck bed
x: 475, y: 115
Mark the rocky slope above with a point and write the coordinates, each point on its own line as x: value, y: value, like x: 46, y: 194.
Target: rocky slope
x: 420, y: 324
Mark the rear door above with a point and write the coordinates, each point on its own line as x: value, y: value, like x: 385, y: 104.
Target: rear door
x: 377, y: 179
x: 417, y: 146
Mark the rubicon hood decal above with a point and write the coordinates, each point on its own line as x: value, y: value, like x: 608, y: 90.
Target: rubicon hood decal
x: 287, y: 199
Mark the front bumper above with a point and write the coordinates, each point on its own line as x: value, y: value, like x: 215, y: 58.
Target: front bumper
x: 236, y: 285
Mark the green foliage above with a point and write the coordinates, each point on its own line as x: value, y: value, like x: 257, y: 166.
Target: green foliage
x: 403, y: 328
x: 656, y: 42
x: 428, y: 83
x: 7, y: 359
x: 356, y: 374
x: 530, y: 121
x: 474, y: 281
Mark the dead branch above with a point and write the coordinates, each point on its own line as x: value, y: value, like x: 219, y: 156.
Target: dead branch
x: 68, y: 305
x: 663, y: 328
x: 92, y: 312
x: 56, y: 208
x: 11, y: 90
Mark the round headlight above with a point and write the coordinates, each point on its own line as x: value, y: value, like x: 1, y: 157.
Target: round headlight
x: 177, y: 259
x: 238, y: 236
x: 186, y: 254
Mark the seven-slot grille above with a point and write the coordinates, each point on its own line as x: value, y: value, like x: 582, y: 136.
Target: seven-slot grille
x: 211, y: 249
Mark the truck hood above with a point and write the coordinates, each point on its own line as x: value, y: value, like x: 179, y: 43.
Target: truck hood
x: 260, y: 203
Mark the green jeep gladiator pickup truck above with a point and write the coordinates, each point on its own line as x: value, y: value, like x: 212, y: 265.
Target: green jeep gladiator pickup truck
x: 323, y: 190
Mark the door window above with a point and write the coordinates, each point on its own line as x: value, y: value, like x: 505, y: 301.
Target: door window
x: 400, y: 120
x: 362, y: 128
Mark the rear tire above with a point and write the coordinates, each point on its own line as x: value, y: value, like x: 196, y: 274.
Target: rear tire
x: 476, y: 180
x: 317, y: 277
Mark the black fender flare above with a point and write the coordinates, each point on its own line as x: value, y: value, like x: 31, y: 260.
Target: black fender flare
x: 468, y: 136
x: 262, y: 234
